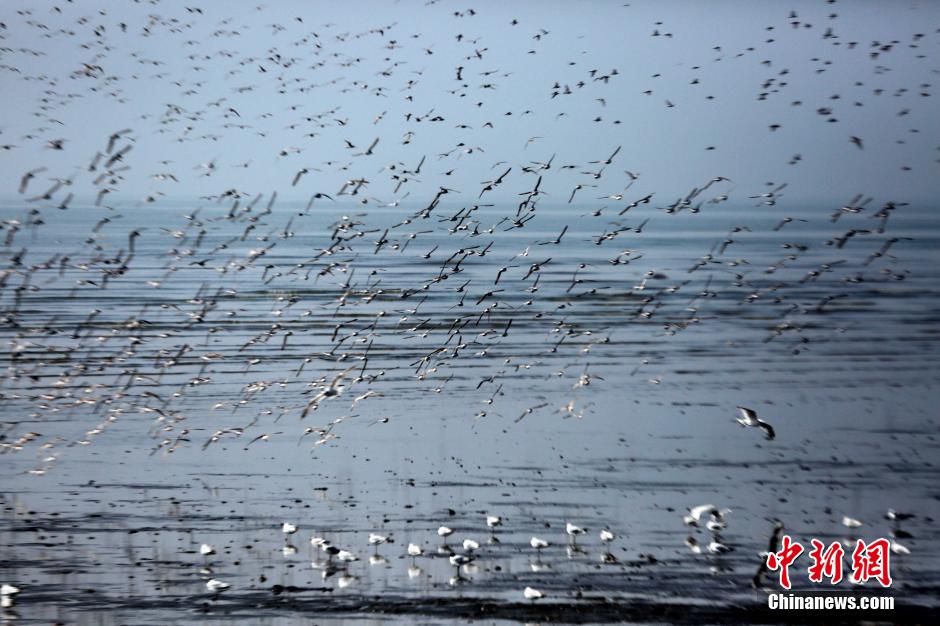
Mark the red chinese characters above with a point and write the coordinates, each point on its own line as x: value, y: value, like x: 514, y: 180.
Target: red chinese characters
x: 782, y: 560
x: 869, y: 561
x: 826, y: 563
x: 872, y: 561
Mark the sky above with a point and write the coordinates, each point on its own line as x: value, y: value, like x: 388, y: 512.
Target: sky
x: 264, y: 90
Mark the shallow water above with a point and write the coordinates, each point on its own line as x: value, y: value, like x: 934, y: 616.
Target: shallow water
x: 104, y: 527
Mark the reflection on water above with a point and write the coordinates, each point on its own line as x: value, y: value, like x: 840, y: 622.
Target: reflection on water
x: 165, y: 398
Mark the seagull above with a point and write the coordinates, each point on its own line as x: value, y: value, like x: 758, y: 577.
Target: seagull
x: 414, y: 551
x: 695, y: 514
x: 288, y: 529
x: 28, y: 176
x: 749, y: 418
x: 470, y: 545
x: 445, y: 532
x: 334, y: 389
x: 607, y: 536
x: 205, y: 549
x: 716, y: 547
x: 460, y: 559
x: 493, y: 522
x: 850, y: 522
x: 573, y: 531
x: 532, y: 594
x: 538, y: 544
x: 377, y: 540
x: 346, y: 556
x: 217, y: 586
x: 7, y: 590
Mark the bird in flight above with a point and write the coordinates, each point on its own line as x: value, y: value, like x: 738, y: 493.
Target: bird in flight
x: 749, y: 418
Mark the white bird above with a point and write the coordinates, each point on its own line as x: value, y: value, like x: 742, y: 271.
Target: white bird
x: 330, y: 391
x: 693, y: 545
x: 414, y: 551
x: 695, y: 514
x: 346, y: 556
x: 532, y: 594
x: 494, y: 521
x: 319, y: 543
x: 573, y: 531
x: 538, y: 544
x: 376, y: 539
x: 898, y: 548
x: 716, y: 547
x: 288, y: 529
x: 607, y: 536
x: 470, y: 545
x: 850, y: 522
x: 9, y: 590
x: 205, y: 549
x: 460, y: 559
x: 749, y: 418
x: 445, y: 532
x: 216, y: 586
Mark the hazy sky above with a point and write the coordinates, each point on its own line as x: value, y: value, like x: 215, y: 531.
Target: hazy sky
x: 238, y: 84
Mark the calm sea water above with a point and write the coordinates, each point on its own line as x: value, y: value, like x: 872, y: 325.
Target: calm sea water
x: 103, y: 525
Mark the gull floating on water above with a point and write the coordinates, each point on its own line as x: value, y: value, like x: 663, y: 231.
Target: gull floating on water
x: 850, y: 522
x: 532, y: 594
x: 217, y: 586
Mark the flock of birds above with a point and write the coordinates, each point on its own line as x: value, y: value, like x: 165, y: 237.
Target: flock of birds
x: 251, y: 319
x: 332, y: 560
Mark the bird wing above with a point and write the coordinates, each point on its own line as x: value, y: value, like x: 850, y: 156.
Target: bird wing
x: 748, y: 414
x: 698, y: 511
